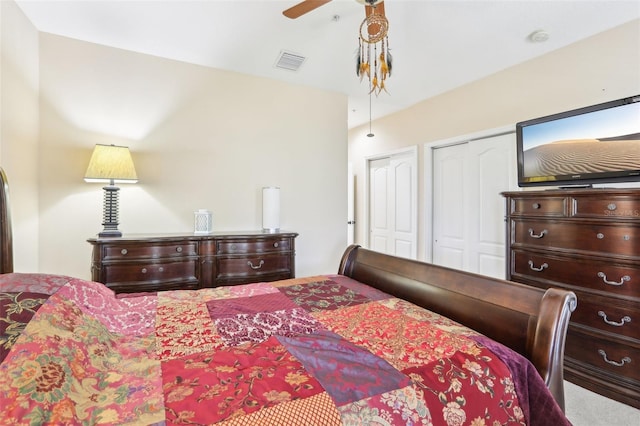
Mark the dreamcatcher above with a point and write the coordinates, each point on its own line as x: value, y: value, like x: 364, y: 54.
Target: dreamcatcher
x: 374, y: 59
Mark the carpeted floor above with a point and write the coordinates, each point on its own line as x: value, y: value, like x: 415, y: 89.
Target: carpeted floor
x: 585, y: 408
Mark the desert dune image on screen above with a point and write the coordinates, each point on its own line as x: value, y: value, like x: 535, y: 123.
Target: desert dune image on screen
x: 598, y: 142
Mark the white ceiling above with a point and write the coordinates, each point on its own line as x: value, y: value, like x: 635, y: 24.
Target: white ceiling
x: 437, y: 45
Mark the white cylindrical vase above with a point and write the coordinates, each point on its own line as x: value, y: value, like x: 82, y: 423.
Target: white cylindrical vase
x: 271, y: 209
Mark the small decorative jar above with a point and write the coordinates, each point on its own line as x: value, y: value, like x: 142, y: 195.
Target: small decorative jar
x: 203, y: 222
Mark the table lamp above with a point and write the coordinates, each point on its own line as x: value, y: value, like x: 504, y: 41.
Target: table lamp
x: 112, y: 164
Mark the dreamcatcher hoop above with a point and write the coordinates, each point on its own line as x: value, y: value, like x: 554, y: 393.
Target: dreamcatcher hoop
x: 369, y: 24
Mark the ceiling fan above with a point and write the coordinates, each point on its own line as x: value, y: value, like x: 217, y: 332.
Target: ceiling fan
x: 307, y: 6
x: 374, y: 64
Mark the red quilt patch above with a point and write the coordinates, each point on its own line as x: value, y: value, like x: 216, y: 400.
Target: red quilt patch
x: 239, y: 381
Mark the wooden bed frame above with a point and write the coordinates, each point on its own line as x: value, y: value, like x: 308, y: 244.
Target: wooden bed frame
x: 529, y: 320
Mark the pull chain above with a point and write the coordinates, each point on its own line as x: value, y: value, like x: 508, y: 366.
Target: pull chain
x: 370, y: 134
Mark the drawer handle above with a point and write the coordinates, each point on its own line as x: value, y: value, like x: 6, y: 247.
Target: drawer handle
x: 275, y: 245
x: 617, y: 324
x: 143, y: 270
x: 536, y: 205
x: 541, y: 268
x: 603, y: 354
x: 622, y: 280
x: 179, y: 249
x: 254, y: 266
x: 612, y: 207
x: 161, y: 269
x: 124, y: 251
x: 540, y: 235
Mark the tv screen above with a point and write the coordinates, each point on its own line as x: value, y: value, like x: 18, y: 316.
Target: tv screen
x: 590, y: 145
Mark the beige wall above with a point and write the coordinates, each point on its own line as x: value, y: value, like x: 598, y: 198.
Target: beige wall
x: 19, y: 128
x: 200, y: 138
x: 601, y: 68
x: 204, y: 138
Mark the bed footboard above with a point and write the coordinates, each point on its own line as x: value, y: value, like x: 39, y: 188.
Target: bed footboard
x: 529, y: 320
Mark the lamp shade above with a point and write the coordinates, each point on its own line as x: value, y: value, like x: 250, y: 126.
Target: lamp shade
x: 111, y: 163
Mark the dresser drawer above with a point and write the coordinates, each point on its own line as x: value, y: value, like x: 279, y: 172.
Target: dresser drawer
x: 253, y: 267
x: 606, y: 314
x: 242, y: 246
x: 607, y: 207
x: 611, y: 356
x: 149, y: 251
x: 586, y: 237
x: 605, y: 277
x: 548, y: 206
x: 151, y: 272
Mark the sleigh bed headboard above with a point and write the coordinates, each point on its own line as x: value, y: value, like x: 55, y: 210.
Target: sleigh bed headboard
x: 6, y: 238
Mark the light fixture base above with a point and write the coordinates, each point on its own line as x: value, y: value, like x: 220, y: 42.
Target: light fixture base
x: 110, y: 212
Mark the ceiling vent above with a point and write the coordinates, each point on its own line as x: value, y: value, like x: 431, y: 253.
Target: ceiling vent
x: 289, y: 61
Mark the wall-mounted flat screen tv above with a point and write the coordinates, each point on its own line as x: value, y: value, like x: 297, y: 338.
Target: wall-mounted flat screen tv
x: 582, y: 147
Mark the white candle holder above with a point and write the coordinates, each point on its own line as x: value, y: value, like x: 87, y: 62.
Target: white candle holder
x: 270, y: 209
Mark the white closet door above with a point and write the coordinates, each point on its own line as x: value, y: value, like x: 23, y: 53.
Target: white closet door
x: 450, y: 191
x: 392, y: 205
x: 468, y: 211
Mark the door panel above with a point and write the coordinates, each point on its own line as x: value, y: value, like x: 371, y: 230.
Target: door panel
x: 403, y: 208
x: 378, y: 200
x: 448, y: 212
x: 492, y: 162
x: 351, y: 217
x: 393, y: 205
x: 468, y: 211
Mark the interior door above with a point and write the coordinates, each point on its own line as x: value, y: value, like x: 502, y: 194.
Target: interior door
x: 351, y: 217
x: 468, y: 211
x: 393, y: 204
x: 450, y: 228
x: 379, y: 200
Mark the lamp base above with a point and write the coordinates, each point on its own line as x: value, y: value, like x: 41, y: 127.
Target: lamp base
x: 110, y: 234
x: 110, y: 212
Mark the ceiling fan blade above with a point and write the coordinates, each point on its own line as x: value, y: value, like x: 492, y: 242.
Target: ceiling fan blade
x: 303, y: 7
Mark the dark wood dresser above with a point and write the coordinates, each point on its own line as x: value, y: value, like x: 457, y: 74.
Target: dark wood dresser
x: 586, y: 241
x: 137, y: 263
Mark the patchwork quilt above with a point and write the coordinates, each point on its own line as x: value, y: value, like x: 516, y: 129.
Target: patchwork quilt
x: 324, y: 350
